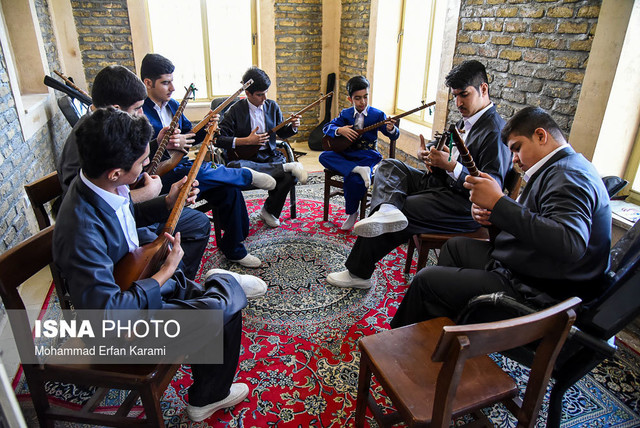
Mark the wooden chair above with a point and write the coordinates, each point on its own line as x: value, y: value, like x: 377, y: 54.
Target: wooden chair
x: 334, y: 179
x: 41, y: 192
x: 145, y: 381
x: 598, y: 321
x: 424, y: 242
x: 459, y: 378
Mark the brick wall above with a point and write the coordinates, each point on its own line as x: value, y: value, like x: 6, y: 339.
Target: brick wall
x: 24, y: 161
x: 104, y: 35
x: 354, y: 44
x: 298, y: 32
x: 536, y: 52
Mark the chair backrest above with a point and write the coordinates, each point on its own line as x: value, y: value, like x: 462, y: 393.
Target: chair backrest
x: 41, y: 191
x: 69, y: 111
x: 16, y: 266
x: 459, y: 343
x: 217, y: 101
x: 620, y: 302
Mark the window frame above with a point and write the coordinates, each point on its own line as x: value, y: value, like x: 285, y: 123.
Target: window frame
x: 255, y: 40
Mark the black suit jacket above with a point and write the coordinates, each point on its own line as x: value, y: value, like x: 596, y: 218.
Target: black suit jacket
x: 557, y: 238
x: 237, y: 123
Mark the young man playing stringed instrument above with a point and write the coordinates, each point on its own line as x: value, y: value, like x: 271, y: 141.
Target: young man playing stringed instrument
x: 406, y: 201
x: 118, y: 87
x: 219, y: 185
x: 247, y: 123
x: 355, y: 163
x: 96, y: 229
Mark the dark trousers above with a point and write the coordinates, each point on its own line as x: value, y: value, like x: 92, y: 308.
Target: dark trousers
x: 211, y: 382
x: 234, y: 219
x: 343, y: 163
x: 284, y: 182
x: 444, y: 290
x: 194, y: 228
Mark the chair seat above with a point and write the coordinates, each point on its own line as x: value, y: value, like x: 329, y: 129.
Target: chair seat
x: 424, y: 242
x: 403, y: 355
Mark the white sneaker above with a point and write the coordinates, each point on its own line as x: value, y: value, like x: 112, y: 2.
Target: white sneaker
x: 297, y: 170
x: 253, y: 286
x: 262, y: 180
x: 345, y: 279
x: 269, y: 219
x: 237, y: 393
x: 381, y: 222
x: 349, y: 222
x: 249, y: 261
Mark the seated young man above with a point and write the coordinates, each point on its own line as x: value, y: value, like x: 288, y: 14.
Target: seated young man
x: 248, y: 122
x: 406, y: 201
x: 219, y: 185
x: 96, y: 228
x: 355, y: 163
x: 116, y: 86
x: 554, y: 240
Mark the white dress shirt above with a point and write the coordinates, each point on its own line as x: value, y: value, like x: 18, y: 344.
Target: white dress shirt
x: 120, y: 204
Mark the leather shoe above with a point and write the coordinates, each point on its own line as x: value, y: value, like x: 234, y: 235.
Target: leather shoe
x: 252, y: 286
x: 237, y: 393
x: 379, y: 223
x: 344, y: 279
x: 269, y: 219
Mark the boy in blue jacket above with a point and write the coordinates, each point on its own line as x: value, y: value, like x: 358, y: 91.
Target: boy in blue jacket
x: 356, y: 162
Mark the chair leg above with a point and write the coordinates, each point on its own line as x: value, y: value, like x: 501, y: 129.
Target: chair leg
x: 216, y: 226
x: 364, y: 382
x: 327, y: 191
x: 292, y: 202
x: 151, y: 404
x: 410, y: 250
x: 423, y: 256
x: 363, y: 207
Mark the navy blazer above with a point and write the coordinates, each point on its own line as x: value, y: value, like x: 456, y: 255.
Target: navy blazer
x: 237, y: 123
x: 557, y: 238
x: 369, y: 138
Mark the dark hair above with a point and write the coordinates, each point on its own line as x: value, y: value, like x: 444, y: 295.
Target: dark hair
x: 357, y: 83
x: 111, y: 138
x: 155, y: 65
x: 261, y: 81
x: 117, y: 85
x: 527, y: 120
x: 469, y: 73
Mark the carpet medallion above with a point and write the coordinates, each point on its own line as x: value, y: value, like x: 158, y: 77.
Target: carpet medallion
x: 299, y: 347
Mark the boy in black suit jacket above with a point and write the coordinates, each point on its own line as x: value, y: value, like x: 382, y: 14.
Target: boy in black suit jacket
x: 247, y: 123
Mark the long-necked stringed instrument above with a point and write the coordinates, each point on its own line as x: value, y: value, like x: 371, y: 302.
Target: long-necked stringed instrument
x: 249, y: 151
x: 221, y: 107
x: 157, y: 166
x: 145, y: 261
x: 69, y: 82
x: 465, y: 156
x: 340, y: 143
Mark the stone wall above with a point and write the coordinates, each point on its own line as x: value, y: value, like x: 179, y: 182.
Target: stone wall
x: 104, y: 35
x: 354, y: 44
x: 536, y: 52
x: 24, y: 161
x: 298, y: 31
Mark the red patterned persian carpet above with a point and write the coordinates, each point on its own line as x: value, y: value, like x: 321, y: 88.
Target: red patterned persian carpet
x: 298, y: 351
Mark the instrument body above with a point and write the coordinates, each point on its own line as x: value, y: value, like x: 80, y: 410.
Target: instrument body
x: 340, y: 143
x: 249, y: 151
x: 146, y: 260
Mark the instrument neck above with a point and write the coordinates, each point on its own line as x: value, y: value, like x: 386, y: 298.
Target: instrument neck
x: 406, y: 113
x: 292, y: 117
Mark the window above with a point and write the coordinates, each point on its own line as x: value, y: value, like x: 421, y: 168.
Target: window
x: 211, y: 42
x: 419, y: 47
x: 26, y: 63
